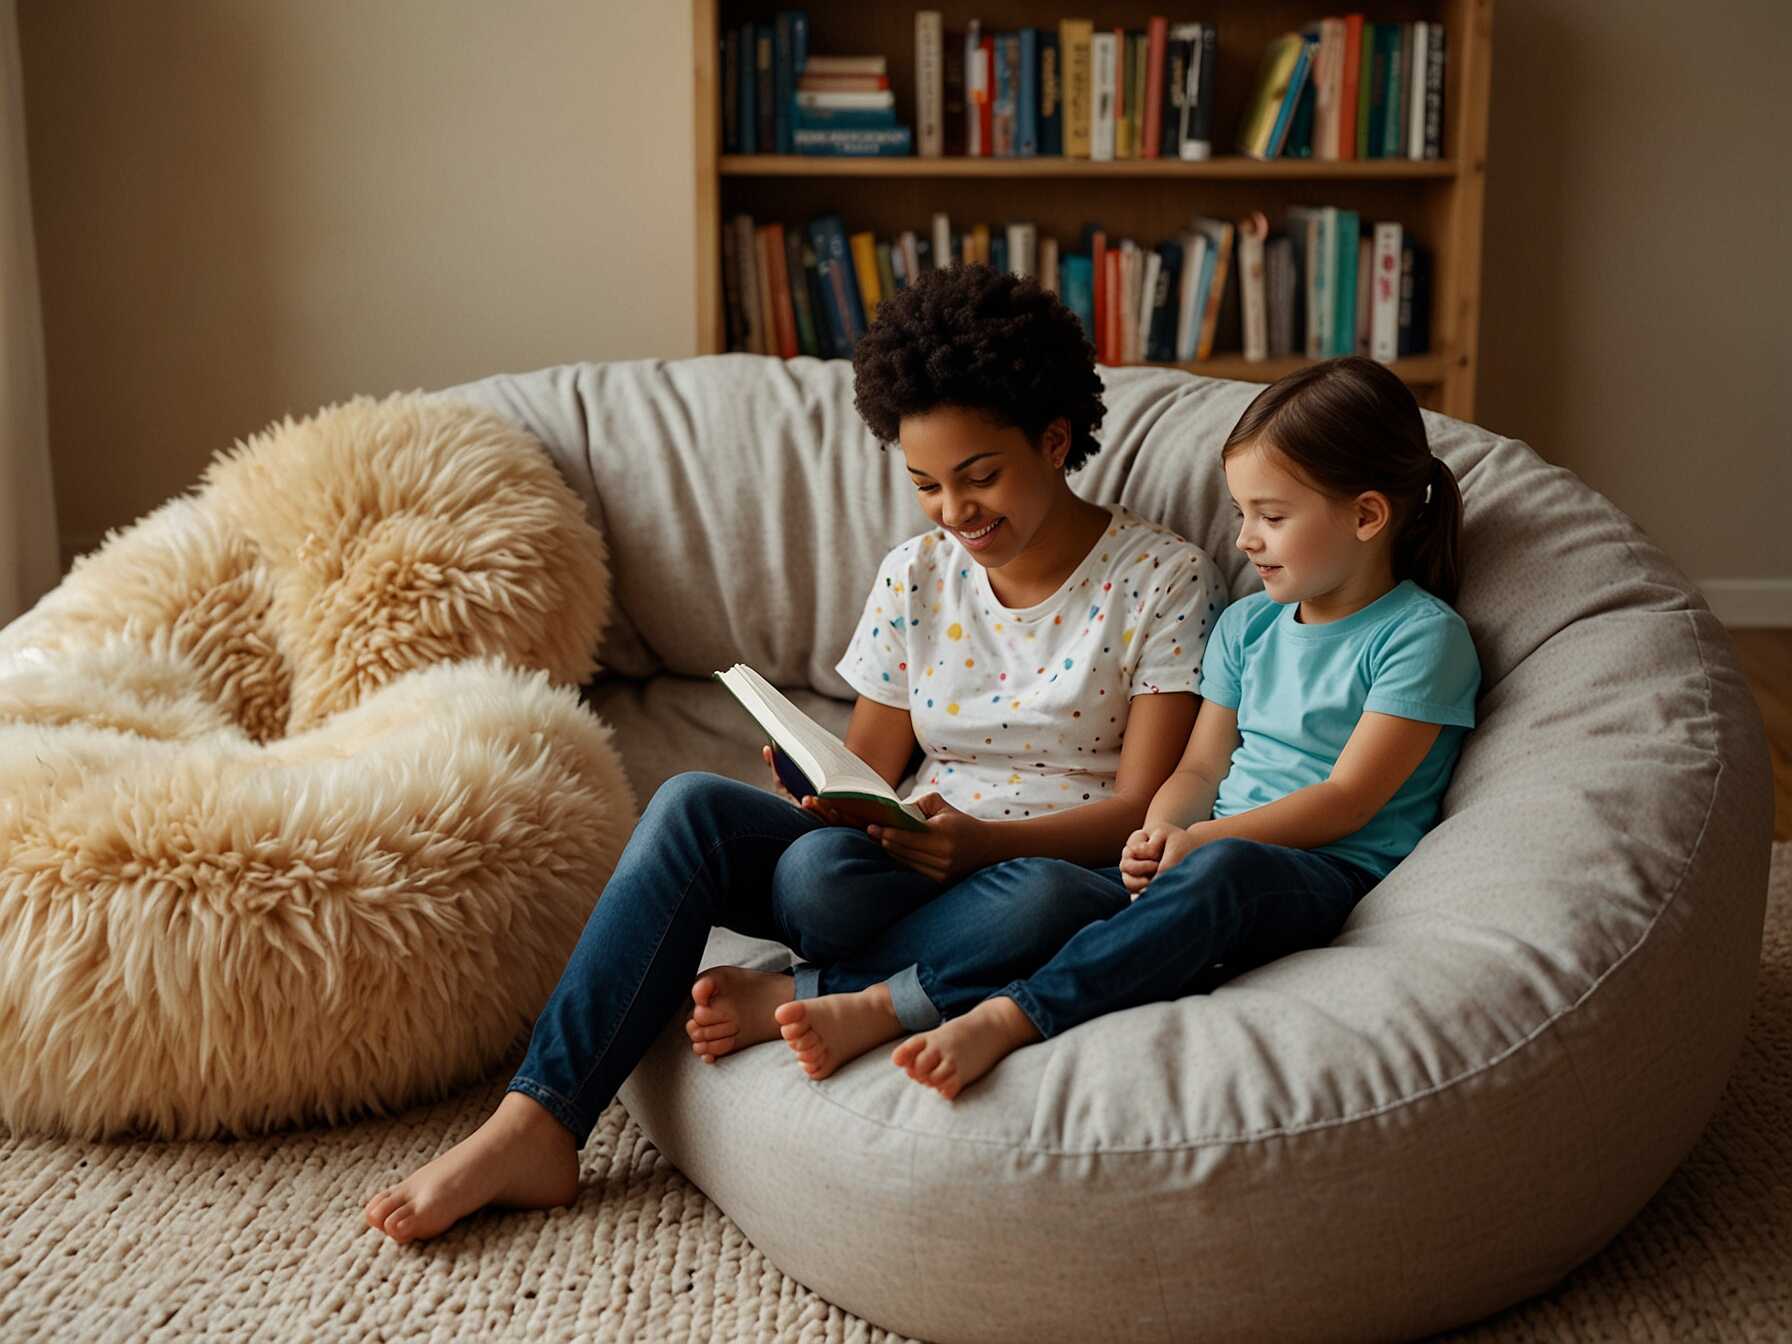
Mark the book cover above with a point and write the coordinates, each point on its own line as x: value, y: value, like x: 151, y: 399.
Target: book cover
x: 930, y: 88
x: 1290, y: 98
x: 1026, y: 94
x: 893, y: 141
x: 1075, y: 37
x: 1051, y: 95
x: 1268, y: 93
x: 816, y: 763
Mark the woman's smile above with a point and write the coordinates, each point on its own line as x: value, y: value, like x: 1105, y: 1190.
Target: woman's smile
x: 978, y: 538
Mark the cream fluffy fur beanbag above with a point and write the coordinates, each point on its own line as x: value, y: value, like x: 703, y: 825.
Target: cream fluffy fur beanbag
x: 300, y: 814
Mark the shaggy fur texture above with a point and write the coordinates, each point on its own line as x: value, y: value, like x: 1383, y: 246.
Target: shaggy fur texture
x: 299, y: 814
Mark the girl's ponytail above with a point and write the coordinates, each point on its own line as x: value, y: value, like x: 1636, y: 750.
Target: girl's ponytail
x: 1425, y: 549
x: 1350, y: 425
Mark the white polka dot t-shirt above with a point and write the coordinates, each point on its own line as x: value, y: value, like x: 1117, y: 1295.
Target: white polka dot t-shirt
x: 1022, y: 712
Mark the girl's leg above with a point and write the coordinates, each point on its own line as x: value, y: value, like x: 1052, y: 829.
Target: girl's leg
x: 703, y: 853
x: 1004, y: 921
x: 993, y: 926
x: 1232, y: 901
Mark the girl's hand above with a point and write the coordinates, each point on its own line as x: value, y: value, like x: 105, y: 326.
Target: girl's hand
x: 1178, y: 845
x: 809, y: 804
x: 953, y: 844
x: 1140, y: 857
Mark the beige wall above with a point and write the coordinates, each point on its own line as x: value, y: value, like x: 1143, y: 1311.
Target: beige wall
x: 248, y: 208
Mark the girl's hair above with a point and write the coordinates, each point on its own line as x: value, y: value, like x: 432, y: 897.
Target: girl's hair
x: 985, y: 340
x: 1350, y: 425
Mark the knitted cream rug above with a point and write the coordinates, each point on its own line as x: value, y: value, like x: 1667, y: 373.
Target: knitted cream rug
x: 263, y: 1238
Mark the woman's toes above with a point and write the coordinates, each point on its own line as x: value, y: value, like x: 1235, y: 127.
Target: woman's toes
x: 377, y: 1209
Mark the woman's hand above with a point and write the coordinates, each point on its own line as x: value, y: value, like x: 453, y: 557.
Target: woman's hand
x: 954, y: 843
x: 809, y: 804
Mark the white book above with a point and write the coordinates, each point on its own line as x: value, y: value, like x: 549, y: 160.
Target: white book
x: 1048, y: 264
x: 1128, y: 312
x: 911, y: 254
x: 812, y: 761
x: 942, y: 240
x: 1253, y: 295
x: 1328, y: 80
x: 1104, y: 55
x: 845, y: 65
x: 873, y: 101
x: 1154, y: 265
x: 1384, y: 302
x: 1021, y: 239
x: 930, y: 83
x: 1188, y: 317
x: 1420, y: 36
x: 976, y: 90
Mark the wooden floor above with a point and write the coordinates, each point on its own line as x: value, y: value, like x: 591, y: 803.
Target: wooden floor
x: 1766, y: 657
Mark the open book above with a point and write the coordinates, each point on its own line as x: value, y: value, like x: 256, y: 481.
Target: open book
x: 811, y: 760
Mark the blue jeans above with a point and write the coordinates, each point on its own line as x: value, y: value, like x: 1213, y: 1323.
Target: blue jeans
x: 1230, y: 905
x: 709, y: 851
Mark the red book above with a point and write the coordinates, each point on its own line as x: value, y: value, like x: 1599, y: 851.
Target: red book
x: 783, y: 314
x: 1353, y: 58
x: 1098, y: 281
x: 986, y: 56
x: 1157, y: 35
x: 1111, y: 334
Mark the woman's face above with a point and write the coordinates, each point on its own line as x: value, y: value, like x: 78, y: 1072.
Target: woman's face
x: 984, y: 483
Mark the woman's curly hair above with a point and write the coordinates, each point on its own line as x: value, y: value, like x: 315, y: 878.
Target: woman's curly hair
x: 986, y: 340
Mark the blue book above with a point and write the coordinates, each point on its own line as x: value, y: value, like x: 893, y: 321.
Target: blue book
x: 829, y: 334
x: 1297, y: 82
x: 784, y: 72
x: 877, y: 144
x: 748, y: 111
x: 1160, y: 343
x: 1078, y: 293
x: 1026, y: 95
x: 846, y: 118
x: 1051, y: 95
x: 1343, y: 341
x: 998, y: 255
x: 1002, y: 113
x: 844, y: 274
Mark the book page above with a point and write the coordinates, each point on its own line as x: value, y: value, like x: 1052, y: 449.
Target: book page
x: 817, y: 752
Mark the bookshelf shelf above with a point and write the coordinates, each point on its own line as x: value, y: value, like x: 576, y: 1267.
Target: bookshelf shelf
x: 1439, y: 202
x: 1230, y: 166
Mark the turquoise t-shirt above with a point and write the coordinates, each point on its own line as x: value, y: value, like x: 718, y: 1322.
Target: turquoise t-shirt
x: 1299, y: 690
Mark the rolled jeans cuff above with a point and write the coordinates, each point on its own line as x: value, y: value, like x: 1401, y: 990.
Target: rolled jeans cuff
x: 1024, y: 1000
x: 808, y: 979
x: 555, y: 1105
x: 913, y: 1005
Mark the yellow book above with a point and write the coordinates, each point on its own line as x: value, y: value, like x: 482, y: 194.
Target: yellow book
x: 1122, y: 95
x: 864, y: 261
x: 1273, y: 76
x: 1073, y: 60
x: 980, y: 244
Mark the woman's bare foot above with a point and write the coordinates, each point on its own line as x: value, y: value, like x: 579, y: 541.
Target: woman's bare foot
x: 833, y: 1029
x: 957, y: 1053
x: 734, y: 1008
x: 521, y: 1157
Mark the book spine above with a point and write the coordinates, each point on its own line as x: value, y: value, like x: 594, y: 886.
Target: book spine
x: 864, y: 264
x: 886, y: 270
x: 1384, y: 301
x: 1078, y: 292
x: 1026, y: 94
x: 1194, y: 251
x: 1002, y: 110
x: 1122, y: 95
x: 747, y: 249
x: 765, y: 85
x: 1251, y: 286
x: 1177, y: 50
x: 891, y: 141
x: 1402, y: 95
x: 1415, y: 92
x: 1102, y: 57
x: 829, y: 340
x: 796, y: 287
x: 747, y: 111
x: 1110, y: 289
x: 1098, y: 273
x: 845, y: 278
x: 1348, y: 91
x: 1434, y: 93
x: 942, y: 239
x: 1364, y: 291
x: 1368, y: 75
x: 952, y: 105
x: 986, y: 110
x: 930, y: 93
x: 783, y: 302
x: 768, y: 303
x: 1344, y: 271
x: 976, y: 91
x: 1197, y: 142
x: 1157, y: 35
x: 1278, y: 135
x: 784, y: 79
x: 1220, y: 261
x: 731, y: 312
x: 1048, y: 264
x: 1051, y: 95
x: 1074, y: 40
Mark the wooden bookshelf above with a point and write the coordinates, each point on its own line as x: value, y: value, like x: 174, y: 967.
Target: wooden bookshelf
x: 1438, y: 202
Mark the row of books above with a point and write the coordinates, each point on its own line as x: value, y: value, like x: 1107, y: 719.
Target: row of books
x: 1327, y: 283
x: 778, y: 98
x: 1343, y: 88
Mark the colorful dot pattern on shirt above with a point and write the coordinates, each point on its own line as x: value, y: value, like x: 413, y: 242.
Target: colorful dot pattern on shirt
x: 1023, y: 712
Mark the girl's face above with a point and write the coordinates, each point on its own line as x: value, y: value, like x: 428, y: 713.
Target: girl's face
x: 1305, y: 544
x: 984, y: 483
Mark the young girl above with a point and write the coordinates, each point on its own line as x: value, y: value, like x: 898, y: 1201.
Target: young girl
x: 1041, y: 651
x: 1335, y: 703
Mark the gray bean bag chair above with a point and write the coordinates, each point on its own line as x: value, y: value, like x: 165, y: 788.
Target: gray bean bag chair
x: 1510, y: 1046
